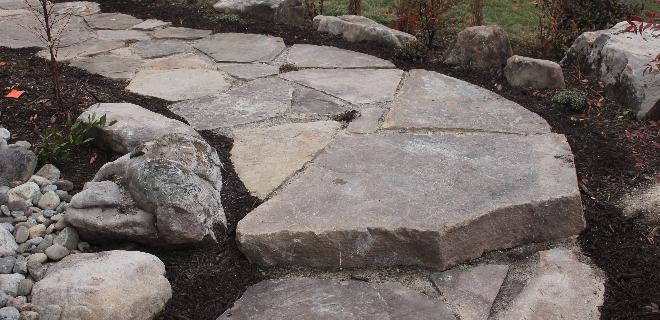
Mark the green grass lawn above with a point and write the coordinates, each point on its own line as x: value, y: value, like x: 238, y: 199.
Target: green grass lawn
x: 517, y: 17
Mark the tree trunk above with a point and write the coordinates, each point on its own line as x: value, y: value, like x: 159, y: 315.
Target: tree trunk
x: 477, y: 12
x: 355, y: 7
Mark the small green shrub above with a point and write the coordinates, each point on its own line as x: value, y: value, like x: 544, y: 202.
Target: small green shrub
x: 57, y: 145
x: 574, y: 99
x: 228, y: 18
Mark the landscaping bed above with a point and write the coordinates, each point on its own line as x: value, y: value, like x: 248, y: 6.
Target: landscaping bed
x: 208, y: 279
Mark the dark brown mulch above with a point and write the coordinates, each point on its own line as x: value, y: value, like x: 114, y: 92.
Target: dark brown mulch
x: 206, y: 280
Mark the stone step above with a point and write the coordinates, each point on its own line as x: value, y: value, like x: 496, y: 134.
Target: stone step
x: 310, y: 298
x: 431, y: 200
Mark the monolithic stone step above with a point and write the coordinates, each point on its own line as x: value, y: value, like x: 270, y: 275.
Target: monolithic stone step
x: 310, y: 298
x: 430, y: 100
x: 411, y: 199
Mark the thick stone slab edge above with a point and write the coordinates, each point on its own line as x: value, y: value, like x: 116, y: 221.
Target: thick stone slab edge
x: 541, y: 221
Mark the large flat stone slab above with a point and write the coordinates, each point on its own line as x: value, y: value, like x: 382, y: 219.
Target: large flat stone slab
x: 179, y: 84
x: 255, y: 101
x: 471, y: 291
x: 312, y: 56
x: 160, y: 48
x: 309, y: 298
x: 249, y: 71
x: 429, y: 100
x: 426, y: 200
x: 265, y: 157
x: 112, y: 21
x: 181, y: 61
x: 111, y: 66
x: 122, y: 35
x: 15, y: 32
x: 88, y: 48
x: 180, y: 33
x: 241, y: 47
x: 353, y: 85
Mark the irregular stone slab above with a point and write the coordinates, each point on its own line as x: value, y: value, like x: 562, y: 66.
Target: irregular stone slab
x: 160, y: 48
x: 80, y: 8
x: 14, y: 12
x: 524, y: 72
x: 290, y: 12
x: 15, y: 32
x: 241, y: 47
x: 135, y: 126
x: 354, y: 85
x: 561, y: 287
x: 83, y: 284
x: 619, y: 59
x: 313, y: 102
x: 358, y: 28
x: 471, y: 291
x: 481, y: 47
x: 425, y: 200
x: 311, y: 56
x: 88, y: 48
x: 430, y: 100
x: 16, y: 164
x: 250, y: 71
x: 112, y: 21
x: 180, y: 33
x: 122, y: 35
x: 266, y: 157
x: 111, y: 66
x: 367, y: 122
x: 179, y: 84
x: 309, y: 298
x: 151, y: 24
x: 255, y: 101
x: 181, y: 61
x: 16, y: 4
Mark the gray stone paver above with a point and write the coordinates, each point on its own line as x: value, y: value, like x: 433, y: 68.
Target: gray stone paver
x: 112, y: 21
x: 239, y: 47
x: 255, y: 101
x: 111, y: 66
x: 88, y: 48
x: 168, y: 84
x: 312, y: 56
x: 310, y: 298
x: 353, y: 85
x: 180, y: 33
x: 265, y: 157
x: 249, y: 71
x: 429, y: 100
x: 158, y: 48
x: 122, y: 35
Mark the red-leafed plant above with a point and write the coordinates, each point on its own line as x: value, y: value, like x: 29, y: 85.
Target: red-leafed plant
x: 424, y: 18
x: 648, y: 23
